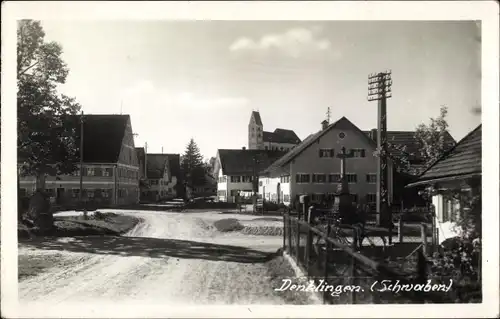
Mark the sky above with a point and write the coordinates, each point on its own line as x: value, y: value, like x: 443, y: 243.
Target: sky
x: 202, y: 79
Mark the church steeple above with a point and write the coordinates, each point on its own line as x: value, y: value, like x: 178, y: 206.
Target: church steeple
x: 255, y: 131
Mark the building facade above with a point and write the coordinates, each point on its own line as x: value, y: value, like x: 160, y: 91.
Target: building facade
x: 236, y: 171
x: 458, y: 172
x: 110, y: 166
x: 279, y: 140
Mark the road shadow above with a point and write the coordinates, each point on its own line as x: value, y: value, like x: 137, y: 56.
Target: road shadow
x: 151, y: 247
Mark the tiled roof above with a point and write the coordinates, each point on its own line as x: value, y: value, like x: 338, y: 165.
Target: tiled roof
x: 102, y: 136
x: 463, y: 159
x: 256, y: 116
x: 281, y: 136
x: 408, y: 139
x: 243, y: 162
x: 156, y: 165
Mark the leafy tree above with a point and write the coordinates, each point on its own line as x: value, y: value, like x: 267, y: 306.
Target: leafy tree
x: 193, y: 168
x: 46, y: 138
x: 432, y: 144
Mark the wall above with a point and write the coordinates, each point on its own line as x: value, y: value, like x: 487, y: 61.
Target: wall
x: 268, y: 188
x: 254, y: 135
x: 309, y: 162
x: 222, y: 187
x: 443, y: 223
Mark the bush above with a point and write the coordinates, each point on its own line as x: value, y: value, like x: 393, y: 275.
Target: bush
x: 228, y: 224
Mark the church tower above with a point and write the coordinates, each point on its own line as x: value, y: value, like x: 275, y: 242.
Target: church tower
x: 255, y: 131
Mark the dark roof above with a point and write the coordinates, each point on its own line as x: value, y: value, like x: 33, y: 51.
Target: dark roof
x: 281, y: 136
x: 174, y: 162
x: 102, y: 136
x: 462, y: 160
x: 156, y: 165
x: 408, y: 139
x: 241, y: 162
x: 256, y: 116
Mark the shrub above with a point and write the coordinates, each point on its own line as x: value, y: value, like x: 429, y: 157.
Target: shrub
x: 228, y: 224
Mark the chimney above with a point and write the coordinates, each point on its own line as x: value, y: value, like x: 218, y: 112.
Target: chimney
x: 373, y: 134
x: 324, y: 125
x: 243, y: 148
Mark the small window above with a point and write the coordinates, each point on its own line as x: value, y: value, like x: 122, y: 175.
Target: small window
x: 302, y: 178
x: 371, y: 178
x: 371, y: 198
x: 333, y: 178
x: 319, y: 178
x: 358, y: 152
x: 326, y: 152
x: 352, y: 178
x: 90, y: 193
x: 90, y: 171
x: 341, y: 135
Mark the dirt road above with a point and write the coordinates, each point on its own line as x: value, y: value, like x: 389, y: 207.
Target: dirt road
x: 170, y: 258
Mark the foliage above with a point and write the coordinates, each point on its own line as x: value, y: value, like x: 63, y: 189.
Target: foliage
x: 46, y: 140
x: 432, y: 143
x: 192, y: 165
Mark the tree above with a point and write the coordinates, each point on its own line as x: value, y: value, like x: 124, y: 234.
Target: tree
x: 432, y: 144
x: 46, y: 137
x: 193, y: 168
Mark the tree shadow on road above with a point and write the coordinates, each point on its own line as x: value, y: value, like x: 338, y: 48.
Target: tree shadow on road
x: 151, y: 247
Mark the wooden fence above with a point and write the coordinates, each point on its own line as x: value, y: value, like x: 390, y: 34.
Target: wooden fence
x: 344, y: 275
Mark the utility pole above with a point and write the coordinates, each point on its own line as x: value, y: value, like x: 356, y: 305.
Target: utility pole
x: 379, y: 89
x: 255, y: 181
x: 81, y: 159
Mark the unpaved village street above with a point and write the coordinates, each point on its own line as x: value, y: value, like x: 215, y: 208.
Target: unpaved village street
x: 169, y: 259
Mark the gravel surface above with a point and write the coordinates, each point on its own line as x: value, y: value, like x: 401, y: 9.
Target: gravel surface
x: 168, y: 258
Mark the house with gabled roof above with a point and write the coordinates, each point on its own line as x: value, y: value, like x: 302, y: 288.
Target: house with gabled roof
x: 456, y: 171
x: 110, y: 164
x: 236, y: 171
x: 313, y: 168
x: 279, y: 140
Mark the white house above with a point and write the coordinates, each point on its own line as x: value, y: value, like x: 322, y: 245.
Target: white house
x: 236, y: 171
x: 457, y: 171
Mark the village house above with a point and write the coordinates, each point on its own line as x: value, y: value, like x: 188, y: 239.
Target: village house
x: 110, y: 165
x: 279, y: 140
x: 457, y: 172
x: 236, y: 171
x: 159, y: 175
x: 313, y: 166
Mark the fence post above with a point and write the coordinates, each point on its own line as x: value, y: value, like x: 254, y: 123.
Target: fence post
x: 423, y: 229
x: 327, y: 249
x: 309, y: 239
x: 400, y: 229
x: 284, y: 231
x: 298, y: 241
x: 353, y: 267
x: 290, y: 235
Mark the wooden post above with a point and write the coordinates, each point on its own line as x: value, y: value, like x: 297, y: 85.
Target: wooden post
x: 298, y: 241
x: 327, y: 249
x: 284, y: 231
x: 423, y: 228
x: 352, y: 279
x: 290, y: 235
x: 309, y: 239
x: 400, y: 229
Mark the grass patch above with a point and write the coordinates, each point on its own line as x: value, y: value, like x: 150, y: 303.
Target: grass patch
x: 33, y: 265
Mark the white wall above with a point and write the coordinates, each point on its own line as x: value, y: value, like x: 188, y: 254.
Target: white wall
x: 268, y: 189
x: 222, y: 186
x: 444, y: 225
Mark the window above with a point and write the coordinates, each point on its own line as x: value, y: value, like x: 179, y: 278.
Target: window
x: 341, y: 135
x: 234, y: 192
x: 351, y: 178
x: 286, y: 198
x: 105, y: 193
x: 98, y: 171
x: 247, y: 179
x: 260, y: 183
x: 357, y: 152
x: 319, y: 178
x: 107, y: 172
x: 285, y: 179
x: 371, y: 178
x: 23, y: 192
x: 326, y: 152
x: 371, y: 198
x: 77, y: 172
x: 90, y: 193
x: 235, y: 179
x: 90, y: 171
x: 354, y: 198
x: 302, y: 178
x: 75, y: 192
x: 333, y: 178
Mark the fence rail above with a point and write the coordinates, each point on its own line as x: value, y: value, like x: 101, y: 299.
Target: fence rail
x: 344, y: 275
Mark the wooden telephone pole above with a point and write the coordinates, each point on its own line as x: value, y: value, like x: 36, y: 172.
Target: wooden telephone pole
x: 379, y: 89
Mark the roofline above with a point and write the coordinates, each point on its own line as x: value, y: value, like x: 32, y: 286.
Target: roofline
x: 449, y: 151
x: 443, y: 179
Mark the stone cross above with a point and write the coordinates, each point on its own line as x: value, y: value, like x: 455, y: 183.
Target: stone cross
x: 343, y: 180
